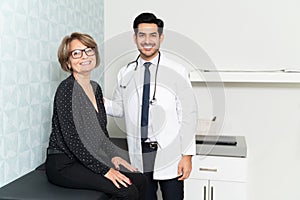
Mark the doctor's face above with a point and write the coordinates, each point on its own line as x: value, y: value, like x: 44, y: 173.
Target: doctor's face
x: 148, y: 40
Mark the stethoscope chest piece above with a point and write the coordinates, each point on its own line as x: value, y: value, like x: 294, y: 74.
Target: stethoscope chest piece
x: 153, y: 101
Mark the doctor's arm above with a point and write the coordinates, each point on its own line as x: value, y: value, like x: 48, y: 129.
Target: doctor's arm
x: 188, y: 111
x: 114, y: 106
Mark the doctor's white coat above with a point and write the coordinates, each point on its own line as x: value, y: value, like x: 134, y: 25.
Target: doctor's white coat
x: 172, y: 117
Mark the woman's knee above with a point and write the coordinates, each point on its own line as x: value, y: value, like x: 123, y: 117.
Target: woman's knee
x: 129, y: 193
x: 133, y: 192
x: 140, y: 180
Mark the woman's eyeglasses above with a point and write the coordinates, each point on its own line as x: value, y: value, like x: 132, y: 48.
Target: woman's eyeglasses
x: 78, y: 53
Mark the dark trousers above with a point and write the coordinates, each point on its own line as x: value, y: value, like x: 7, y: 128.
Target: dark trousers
x: 171, y: 189
x: 69, y: 173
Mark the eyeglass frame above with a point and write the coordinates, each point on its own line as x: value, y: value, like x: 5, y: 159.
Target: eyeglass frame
x: 81, y: 52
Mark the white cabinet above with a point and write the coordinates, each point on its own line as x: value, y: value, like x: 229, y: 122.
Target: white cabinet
x: 216, y: 178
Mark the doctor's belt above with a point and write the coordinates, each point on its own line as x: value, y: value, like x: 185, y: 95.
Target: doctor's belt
x: 151, y: 145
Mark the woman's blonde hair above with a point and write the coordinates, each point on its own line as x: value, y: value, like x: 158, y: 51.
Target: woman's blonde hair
x: 63, y: 53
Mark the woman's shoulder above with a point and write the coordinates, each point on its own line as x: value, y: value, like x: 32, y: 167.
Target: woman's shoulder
x: 66, y: 85
x: 67, y: 81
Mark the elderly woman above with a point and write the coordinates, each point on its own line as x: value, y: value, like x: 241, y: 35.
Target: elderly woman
x: 80, y: 154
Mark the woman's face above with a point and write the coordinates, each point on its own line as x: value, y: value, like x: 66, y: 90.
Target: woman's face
x: 82, y: 58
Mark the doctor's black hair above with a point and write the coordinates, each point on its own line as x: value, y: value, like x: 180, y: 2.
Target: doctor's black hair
x: 148, y: 18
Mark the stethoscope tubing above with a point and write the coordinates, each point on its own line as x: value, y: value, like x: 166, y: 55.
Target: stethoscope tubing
x: 153, y: 100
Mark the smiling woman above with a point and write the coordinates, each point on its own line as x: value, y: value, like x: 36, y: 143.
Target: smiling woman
x: 74, y: 45
x: 80, y: 154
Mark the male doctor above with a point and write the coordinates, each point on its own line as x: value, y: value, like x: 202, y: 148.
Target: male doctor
x: 155, y: 96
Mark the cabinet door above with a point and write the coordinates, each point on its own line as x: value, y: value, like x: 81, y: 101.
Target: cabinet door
x: 196, y: 189
x: 227, y: 190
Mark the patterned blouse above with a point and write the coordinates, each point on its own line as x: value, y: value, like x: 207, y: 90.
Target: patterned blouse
x: 78, y: 129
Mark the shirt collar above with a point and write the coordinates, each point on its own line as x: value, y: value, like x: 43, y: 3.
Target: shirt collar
x: 153, y: 61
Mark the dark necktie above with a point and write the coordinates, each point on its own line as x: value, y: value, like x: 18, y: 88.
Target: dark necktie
x: 145, y: 105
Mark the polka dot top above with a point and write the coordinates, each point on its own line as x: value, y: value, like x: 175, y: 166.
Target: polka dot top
x: 73, y: 131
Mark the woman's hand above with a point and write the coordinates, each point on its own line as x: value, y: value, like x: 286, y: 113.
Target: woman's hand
x: 117, y: 178
x: 117, y: 161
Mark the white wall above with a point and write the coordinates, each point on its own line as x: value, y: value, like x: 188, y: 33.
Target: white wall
x: 235, y: 34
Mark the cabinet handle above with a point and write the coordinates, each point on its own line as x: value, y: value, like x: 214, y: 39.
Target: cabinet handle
x: 204, y: 193
x: 211, y: 193
x: 208, y: 169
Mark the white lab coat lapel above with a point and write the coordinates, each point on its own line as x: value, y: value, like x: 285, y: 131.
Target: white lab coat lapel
x: 133, y: 104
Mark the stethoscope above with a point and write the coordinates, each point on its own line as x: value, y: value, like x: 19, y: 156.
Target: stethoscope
x: 153, y: 100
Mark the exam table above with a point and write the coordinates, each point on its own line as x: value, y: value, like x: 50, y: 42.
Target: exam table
x: 35, y: 186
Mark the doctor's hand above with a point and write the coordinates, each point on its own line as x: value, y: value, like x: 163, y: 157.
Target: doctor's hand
x: 184, y: 167
x: 117, y: 161
x: 117, y: 178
